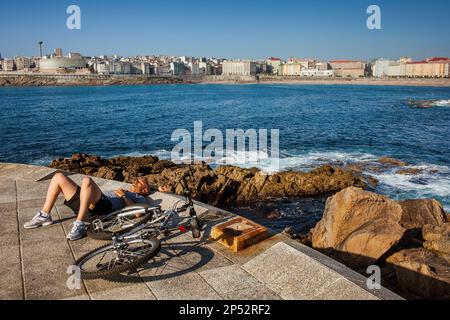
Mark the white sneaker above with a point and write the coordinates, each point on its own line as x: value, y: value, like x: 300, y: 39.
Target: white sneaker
x: 78, y: 231
x: 41, y: 219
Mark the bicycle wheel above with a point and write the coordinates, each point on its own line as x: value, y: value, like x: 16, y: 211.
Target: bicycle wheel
x: 112, y: 260
x: 117, y: 223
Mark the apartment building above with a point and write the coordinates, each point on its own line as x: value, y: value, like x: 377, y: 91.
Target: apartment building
x: 239, y: 68
x: 273, y: 65
x: 389, y: 68
x: 177, y: 68
x: 290, y: 69
x: 23, y: 63
x: 316, y: 73
x: 430, y: 68
x: 194, y: 68
x: 348, y: 68
x: 8, y: 65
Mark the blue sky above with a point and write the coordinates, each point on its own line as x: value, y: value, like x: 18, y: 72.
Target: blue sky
x: 234, y: 29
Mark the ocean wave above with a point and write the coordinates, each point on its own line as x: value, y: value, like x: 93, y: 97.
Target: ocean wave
x: 430, y: 181
x: 442, y: 103
x: 430, y: 103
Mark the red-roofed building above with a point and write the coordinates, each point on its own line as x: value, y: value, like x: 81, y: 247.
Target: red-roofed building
x: 430, y: 68
x: 273, y: 65
x: 438, y: 59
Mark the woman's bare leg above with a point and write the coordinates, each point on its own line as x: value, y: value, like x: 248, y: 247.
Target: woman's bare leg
x: 60, y: 183
x: 90, y: 195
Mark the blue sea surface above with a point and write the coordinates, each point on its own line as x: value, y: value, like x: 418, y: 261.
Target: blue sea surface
x: 318, y: 124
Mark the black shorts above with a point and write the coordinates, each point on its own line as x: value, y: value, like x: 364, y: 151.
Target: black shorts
x: 102, y: 207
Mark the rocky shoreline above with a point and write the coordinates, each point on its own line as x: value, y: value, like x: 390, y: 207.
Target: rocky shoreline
x: 409, y: 240
x: 39, y: 81
x: 28, y: 80
x: 223, y: 187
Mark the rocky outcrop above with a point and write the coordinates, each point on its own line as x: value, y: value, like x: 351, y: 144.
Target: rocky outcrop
x: 422, y: 273
x: 392, y: 162
x: 224, y: 186
x: 31, y: 80
x: 427, y: 104
x: 419, y: 213
x: 410, y: 172
x: 358, y: 227
x: 411, y: 237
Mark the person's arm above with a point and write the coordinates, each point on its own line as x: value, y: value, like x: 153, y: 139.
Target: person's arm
x: 162, y: 189
x: 122, y: 194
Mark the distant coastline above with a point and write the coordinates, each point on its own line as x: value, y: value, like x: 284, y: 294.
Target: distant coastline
x: 36, y: 80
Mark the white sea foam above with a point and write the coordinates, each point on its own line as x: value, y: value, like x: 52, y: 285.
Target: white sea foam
x: 442, y: 103
x: 432, y: 181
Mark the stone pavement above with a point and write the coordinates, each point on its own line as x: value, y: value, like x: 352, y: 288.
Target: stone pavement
x: 34, y: 263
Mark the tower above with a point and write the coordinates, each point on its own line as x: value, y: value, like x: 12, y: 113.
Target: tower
x: 40, y: 48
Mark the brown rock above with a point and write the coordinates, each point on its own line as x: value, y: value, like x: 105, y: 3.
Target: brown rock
x: 436, y: 233
x: 109, y: 173
x: 410, y: 172
x: 422, y: 273
x: 438, y: 246
x: 358, y: 227
x: 392, y: 162
x: 418, y: 213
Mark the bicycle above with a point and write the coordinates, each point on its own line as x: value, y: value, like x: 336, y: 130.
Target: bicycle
x: 135, y: 236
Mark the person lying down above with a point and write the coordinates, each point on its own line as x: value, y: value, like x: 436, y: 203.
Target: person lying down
x: 88, y: 201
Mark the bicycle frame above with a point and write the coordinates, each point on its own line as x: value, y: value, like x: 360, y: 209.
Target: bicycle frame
x: 151, y: 227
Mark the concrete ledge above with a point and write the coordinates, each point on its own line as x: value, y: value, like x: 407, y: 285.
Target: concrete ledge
x: 34, y: 262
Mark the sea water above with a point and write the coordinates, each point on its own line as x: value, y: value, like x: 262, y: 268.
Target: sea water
x: 319, y: 124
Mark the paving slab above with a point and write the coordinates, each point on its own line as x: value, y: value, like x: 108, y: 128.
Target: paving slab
x: 234, y: 283
x: 47, y: 280
x: 8, y: 215
x: 30, y: 190
x: 168, y: 264
x: 24, y: 172
x: 132, y: 292
x: 187, y: 286
x: 290, y: 273
x: 11, y: 281
x: 7, y: 191
x: 116, y: 284
x: 83, y: 297
x: 10, y: 272
x: 343, y: 289
x: 355, y: 279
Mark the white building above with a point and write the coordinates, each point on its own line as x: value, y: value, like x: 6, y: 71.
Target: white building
x: 389, y: 68
x: 380, y: 68
x: 8, y: 65
x: 102, y: 67
x: 163, y: 70
x: 203, y: 67
x: 238, y: 68
x: 317, y: 73
x: 74, y: 55
x: 194, y: 67
x: 116, y: 67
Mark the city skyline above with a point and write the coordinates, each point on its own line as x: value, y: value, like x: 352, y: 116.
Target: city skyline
x: 246, y: 30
